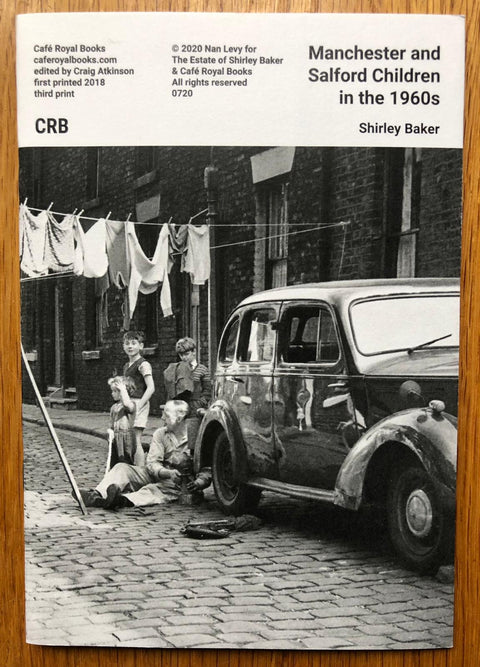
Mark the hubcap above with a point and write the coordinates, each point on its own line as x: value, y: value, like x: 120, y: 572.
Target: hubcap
x: 419, y: 513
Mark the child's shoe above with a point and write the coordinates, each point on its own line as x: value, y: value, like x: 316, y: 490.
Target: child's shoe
x: 91, y: 498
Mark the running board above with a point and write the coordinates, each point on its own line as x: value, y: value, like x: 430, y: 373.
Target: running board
x: 292, y: 490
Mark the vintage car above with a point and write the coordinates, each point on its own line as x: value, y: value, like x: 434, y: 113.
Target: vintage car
x: 345, y: 392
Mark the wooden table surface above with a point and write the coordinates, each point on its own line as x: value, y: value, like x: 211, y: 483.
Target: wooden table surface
x: 14, y: 652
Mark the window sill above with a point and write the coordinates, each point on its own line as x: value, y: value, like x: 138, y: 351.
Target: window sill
x: 146, y: 179
x: 90, y: 355
x: 150, y: 351
x: 91, y: 203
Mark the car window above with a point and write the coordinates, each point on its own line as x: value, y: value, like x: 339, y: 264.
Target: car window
x: 308, y: 335
x: 229, y: 342
x: 328, y: 348
x: 257, y: 338
x: 390, y: 324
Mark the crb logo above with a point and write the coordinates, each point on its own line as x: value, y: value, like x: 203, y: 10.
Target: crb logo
x: 51, y: 125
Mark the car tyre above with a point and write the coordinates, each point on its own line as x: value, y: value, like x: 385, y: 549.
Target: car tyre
x: 233, y: 496
x: 418, y: 527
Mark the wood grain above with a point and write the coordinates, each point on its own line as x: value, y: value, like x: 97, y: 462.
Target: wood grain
x: 14, y: 652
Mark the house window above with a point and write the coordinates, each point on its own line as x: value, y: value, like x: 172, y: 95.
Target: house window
x: 270, y: 172
x: 145, y: 160
x: 277, y: 232
x: 93, y: 174
x: 402, y: 212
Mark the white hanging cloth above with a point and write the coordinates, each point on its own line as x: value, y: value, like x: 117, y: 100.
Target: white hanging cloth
x: 90, y: 255
x: 196, y: 260
x: 59, y: 245
x: 33, y: 229
x: 146, y: 274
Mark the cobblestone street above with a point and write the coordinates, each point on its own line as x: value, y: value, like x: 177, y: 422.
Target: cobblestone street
x: 309, y: 578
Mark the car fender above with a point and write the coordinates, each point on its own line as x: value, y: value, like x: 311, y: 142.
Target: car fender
x: 431, y: 436
x: 220, y: 417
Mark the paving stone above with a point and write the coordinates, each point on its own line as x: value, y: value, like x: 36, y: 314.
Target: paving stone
x: 431, y: 614
x: 383, y: 630
x: 317, y: 596
x: 132, y: 635
x: 392, y: 608
x: 343, y: 612
x: 302, y: 624
x: 247, y: 589
x: 325, y: 643
x: 363, y: 591
x: 284, y: 615
x: 146, y: 642
x: 202, y: 602
x: 237, y: 626
x: 191, y: 640
x: 224, y: 617
x: 238, y: 638
x: 191, y: 619
x: 295, y: 635
x: 275, y: 567
x: 283, y: 584
x: 239, y: 610
x: 156, y: 604
x: 188, y: 629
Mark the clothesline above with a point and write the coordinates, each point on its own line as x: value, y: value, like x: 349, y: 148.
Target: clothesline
x: 159, y: 224
x: 216, y: 247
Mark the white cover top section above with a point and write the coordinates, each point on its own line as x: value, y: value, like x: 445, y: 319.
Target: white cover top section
x: 122, y: 79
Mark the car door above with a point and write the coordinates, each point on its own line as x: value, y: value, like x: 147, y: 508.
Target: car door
x: 245, y: 379
x: 314, y: 417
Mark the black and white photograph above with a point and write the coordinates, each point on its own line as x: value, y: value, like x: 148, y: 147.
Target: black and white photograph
x: 240, y: 385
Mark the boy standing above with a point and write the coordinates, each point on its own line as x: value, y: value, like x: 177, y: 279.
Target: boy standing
x: 189, y: 380
x: 140, y: 371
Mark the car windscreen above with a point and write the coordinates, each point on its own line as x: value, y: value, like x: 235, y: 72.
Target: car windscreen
x: 391, y: 324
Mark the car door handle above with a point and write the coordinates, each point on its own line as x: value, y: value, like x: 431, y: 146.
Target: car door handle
x: 246, y: 399
x: 341, y: 384
x: 235, y: 379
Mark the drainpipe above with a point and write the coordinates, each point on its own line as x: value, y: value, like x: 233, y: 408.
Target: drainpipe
x: 211, y: 186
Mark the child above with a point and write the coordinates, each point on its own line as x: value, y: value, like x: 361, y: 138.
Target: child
x: 190, y: 381
x: 122, y: 417
x: 141, y: 372
x: 166, y: 477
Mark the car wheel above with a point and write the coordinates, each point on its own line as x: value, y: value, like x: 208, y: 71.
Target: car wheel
x: 418, y: 527
x: 233, y: 497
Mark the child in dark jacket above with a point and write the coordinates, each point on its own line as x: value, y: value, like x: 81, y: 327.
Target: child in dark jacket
x: 189, y: 380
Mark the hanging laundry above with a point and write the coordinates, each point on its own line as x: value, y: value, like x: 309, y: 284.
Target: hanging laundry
x: 196, y: 260
x: 178, y: 237
x: 21, y: 228
x: 118, y: 261
x: 59, y: 246
x: 146, y: 274
x: 78, y: 247
x: 90, y: 254
x: 33, y: 242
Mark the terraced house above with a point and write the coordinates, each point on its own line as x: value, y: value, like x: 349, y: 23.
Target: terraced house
x: 276, y: 216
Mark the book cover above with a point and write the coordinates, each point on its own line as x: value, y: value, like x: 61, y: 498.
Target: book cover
x: 240, y: 242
